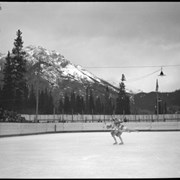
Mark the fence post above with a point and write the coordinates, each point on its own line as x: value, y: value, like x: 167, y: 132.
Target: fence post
x: 92, y: 115
x: 72, y: 115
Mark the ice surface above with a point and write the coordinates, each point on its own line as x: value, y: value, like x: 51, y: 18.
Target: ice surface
x: 91, y: 155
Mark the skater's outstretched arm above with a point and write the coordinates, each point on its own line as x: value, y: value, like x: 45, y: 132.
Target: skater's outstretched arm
x: 125, y: 129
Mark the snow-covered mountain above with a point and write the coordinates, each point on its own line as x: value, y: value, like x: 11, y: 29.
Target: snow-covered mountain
x: 60, y: 73
x: 54, y: 66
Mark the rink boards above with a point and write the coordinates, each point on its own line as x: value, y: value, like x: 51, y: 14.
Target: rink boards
x: 10, y: 129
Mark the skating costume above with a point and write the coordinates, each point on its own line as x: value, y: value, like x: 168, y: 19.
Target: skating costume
x: 116, y: 129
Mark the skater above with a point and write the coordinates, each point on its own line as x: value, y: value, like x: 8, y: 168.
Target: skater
x: 117, y: 128
x: 117, y: 131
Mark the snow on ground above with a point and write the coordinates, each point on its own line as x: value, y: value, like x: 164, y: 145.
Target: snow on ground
x: 91, y: 155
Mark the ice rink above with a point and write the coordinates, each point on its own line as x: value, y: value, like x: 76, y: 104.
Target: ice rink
x: 91, y: 155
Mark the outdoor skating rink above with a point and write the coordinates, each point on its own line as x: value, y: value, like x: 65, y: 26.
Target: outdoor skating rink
x: 91, y: 155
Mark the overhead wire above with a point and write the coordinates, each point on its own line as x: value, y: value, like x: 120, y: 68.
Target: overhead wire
x: 109, y: 67
x: 142, y: 77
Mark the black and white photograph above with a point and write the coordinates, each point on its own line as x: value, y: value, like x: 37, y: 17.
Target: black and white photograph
x: 89, y: 89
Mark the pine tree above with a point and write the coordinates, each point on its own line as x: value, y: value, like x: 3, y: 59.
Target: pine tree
x: 122, y: 102
x: 165, y: 108
x: 98, y: 105
x: 78, y: 104
x: 15, y: 86
x: 42, y: 102
x: 107, y: 95
x: 127, y: 105
x: 67, y: 107
x: 108, y: 102
x: 91, y: 103
x: 19, y: 69
x: 50, y: 103
x: 82, y: 105
x: 8, y: 90
x: 87, y: 101
x: 61, y: 106
x: 1, y: 103
x: 73, y: 103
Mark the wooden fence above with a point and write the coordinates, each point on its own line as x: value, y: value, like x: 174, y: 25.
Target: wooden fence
x: 100, y: 118
x: 17, y: 129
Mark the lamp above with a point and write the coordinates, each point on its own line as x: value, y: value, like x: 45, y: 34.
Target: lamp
x: 161, y: 73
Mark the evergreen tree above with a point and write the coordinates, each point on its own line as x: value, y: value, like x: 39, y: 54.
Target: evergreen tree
x: 19, y: 72
x: 42, y: 103
x: 1, y: 103
x: 91, y: 103
x: 98, y: 105
x: 103, y: 108
x: 67, y: 106
x: 82, y: 105
x: 111, y: 106
x: 127, y: 105
x: 8, y: 90
x: 107, y: 95
x: 118, y: 106
x: 122, y: 102
x: 108, y: 102
x: 73, y: 103
x: 15, y: 85
x: 61, y: 106
x: 165, y: 108
x: 49, y: 102
x: 78, y: 104
x: 87, y: 101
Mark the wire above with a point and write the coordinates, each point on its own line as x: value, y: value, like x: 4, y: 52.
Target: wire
x: 142, y: 77
x: 139, y: 78
x: 105, y: 67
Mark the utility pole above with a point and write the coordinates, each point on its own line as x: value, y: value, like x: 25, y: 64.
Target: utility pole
x: 157, y: 96
x: 157, y: 99
x: 37, y: 92
x: 157, y: 105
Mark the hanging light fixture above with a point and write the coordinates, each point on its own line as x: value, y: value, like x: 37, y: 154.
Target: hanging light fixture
x: 161, y: 73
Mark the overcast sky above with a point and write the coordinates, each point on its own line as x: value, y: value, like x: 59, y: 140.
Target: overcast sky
x: 96, y: 35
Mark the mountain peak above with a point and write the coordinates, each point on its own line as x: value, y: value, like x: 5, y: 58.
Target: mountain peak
x: 54, y: 67
x: 39, y: 50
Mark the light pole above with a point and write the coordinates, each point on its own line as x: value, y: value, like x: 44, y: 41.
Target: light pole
x: 122, y: 81
x: 157, y: 99
x: 162, y: 104
x: 38, y: 65
x: 37, y: 93
x: 157, y: 96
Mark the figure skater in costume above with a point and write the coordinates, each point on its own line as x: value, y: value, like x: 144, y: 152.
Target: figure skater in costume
x: 117, y: 128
